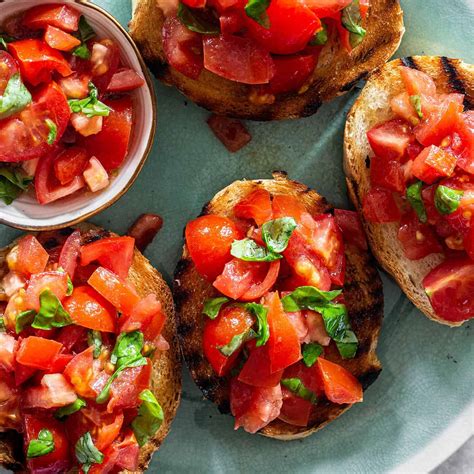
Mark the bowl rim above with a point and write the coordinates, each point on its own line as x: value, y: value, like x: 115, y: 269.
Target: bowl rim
x: 146, y: 153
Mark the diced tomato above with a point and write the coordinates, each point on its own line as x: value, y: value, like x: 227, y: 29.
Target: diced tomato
x: 256, y: 370
x: 8, y: 346
x: 351, y: 228
x: 450, y: 287
x: 402, y: 106
x: 38, y: 352
x: 23, y: 373
x: 232, y: 21
x: 379, y: 206
x: 469, y: 241
x: 110, y: 145
x: 144, y: 230
x: 32, y: 257
x: 391, y: 139
x: 57, y: 460
x: 340, y: 385
x: 182, y: 48
x: 55, y: 282
x: 433, y: 163
x: 71, y: 336
x: 237, y: 58
x: 418, y: 240
x: 262, y: 282
x: 387, y: 174
x: 64, y: 17
x: 254, y: 407
x: 195, y: 3
x: 80, y: 373
x: 324, y: 8
x: 55, y: 391
x: 295, y: 410
x: 87, y: 126
x: 209, y: 239
x: 417, y: 82
x: 38, y: 61
x: 224, y: 5
x: 257, y: 206
x: 465, y: 148
x: 16, y: 305
x: 70, y: 253
x: 113, y: 253
x: 89, y: 309
x: 105, y: 60
x: 70, y: 163
x: 287, y: 206
x: 96, y: 175
x: 60, y: 363
x: 114, y: 289
x: 310, y: 376
x: 292, y: 25
x: 58, y: 39
x: 9, y: 67
x: 75, y: 86
x: 108, y: 433
x: 232, y: 133
x: 125, y: 80
x: 231, y: 321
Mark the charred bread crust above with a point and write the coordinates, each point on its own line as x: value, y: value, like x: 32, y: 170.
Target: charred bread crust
x: 370, y: 109
x: 166, y: 376
x: 337, y: 71
x: 363, y: 293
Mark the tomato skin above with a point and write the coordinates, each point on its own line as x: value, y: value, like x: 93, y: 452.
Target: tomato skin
x: 287, y: 206
x: 32, y: 257
x: 379, y: 206
x: 465, y: 149
x: 80, y: 375
x: 209, y: 239
x: 469, y: 241
x: 55, y: 282
x: 107, y: 433
x: 125, y: 80
x: 257, y: 206
x: 391, y: 139
x: 113, y: 253
x: 256, y: 370
x: 8, y: 346
x: 58, y: 39
x: 105, y: 60
x: 417, y: 82
x: 38, y: 352
x: 231, y: 321
x: 387, y: 174
x: 71, y: 336
x: 89, y: 309
x: 70, y: 163
x: 70, y: 253
x: 433, y: 163
x: 351, y: 228
x: 54, y: 391
x: 9, y: 68
x: 324, y: 8
x: 295, y: 410
x: 450, y: 287
x: 60, y: 16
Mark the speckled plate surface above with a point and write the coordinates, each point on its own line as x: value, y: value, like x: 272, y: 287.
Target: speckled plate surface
x: 418, y: 412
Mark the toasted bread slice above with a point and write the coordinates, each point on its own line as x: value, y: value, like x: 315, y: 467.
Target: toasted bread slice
x: 362, y: 290
x: 371, y: 108
x: 166, y: 378
x: 337, y: 71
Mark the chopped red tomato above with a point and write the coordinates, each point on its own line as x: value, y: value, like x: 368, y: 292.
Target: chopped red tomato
x: 9, y: 67
x: 64, y: 17
x: 379, y: 206
x: 89, y: 309
x: 288, y: 206
x: 8, y: 345
x: 469, y: 241
x: 238, y: 59
x: 70, y: 253
x: 70, y: 163
x: 75, y: 86
x: 295, y: 410
x: 209, y: 239
x: 58, y: 39
x: 108, y: 432
x: 231, y: 20
x: 195, y: 3
x: 38, y: 61
x: 351, y: 228
x: 262, y: 282
x: 23, y: 373
x: 38, y: 352
x: 115, y: 290
x: 54, y: 392
x: 72, y: 336
x: 231, y: 321
x: 32, y: 257
x: 257, y: 206
x: 464, y: 148
x: 60, y: 363
x: 340, y: 385
x: 324, y: 8
x: 450, y: 287
x: 387, y: 174
x: 105, y: 60
x: 95, y: 175
x: 55, y: 282
x: 113, y: 253
x: 433, y: 163
x: 125, y: 80
x: 417, y: 82
x: 232, y: 133
x: 80, y: 375
x: 256, y: 370
x: 391, y: 139
x: 110, y: 145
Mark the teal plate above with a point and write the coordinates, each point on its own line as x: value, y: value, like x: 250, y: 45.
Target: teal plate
x: 419, y: 409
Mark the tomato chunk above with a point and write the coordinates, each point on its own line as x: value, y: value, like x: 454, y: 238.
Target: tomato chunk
x: 32, y: 257
x: 391, y: 139
x: 257, y: 206
x: 9, y: 67
x: 387, y: 174
x: 417, y: 82
x: 80, y: 375
x: 351, y: 228
x: 64, y: 17
x: 70, y: 163
x: 295, y: 410
x: 288, y: 206
x: 433, y: 163
x: 38, y: 352
x: 379, y: 206
x: 60, y: 40
x: 8, y: 347
x: 125, y: 80
x: 55, y: 391
x: 256, y: 370
x: 55, y: 282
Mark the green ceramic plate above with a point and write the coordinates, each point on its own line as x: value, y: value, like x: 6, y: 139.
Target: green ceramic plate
x: 418, y: 412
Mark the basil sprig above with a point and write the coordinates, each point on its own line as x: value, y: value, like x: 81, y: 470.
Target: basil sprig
x: 249, y: 251
x: 24, y: 319
x: 320, y: 38
x: 149, y: 419
x: 53, y: 131
x: 198, y: 20
x: 91, y: 106
x: 308, y: 297
x: 15, y: 97
x: 276, y: 233
x: 84, y: 34
x: 296, y: 386
x: 311, y: 352
x: 212, y: 306
x: 4, y: 40
x: 447, y: 199
x: 87, y: 454
x: 236, y: 342
x: 257, y: 10
x: 94, y: 338
x: 41, y: 446
x: 415, y: 100
x: 12, y: 183
x: 351, y: 20
x: 73, y: 407
x: 263, y: 330
x: 416, y: 201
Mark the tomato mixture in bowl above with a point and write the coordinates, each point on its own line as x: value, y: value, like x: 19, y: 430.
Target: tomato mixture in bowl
x: 76, y: 349
x: 271, y: 45
x: 280, y: 319
x: 422, y: 177
x: 66, y: 108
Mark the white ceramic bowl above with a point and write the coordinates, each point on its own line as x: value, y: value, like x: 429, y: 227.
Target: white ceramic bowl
x: 25, y: 212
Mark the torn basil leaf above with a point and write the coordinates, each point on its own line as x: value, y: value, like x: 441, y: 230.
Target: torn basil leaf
x: 263, y: 329
x: 24, y: 319
x: 352, y: 22
x: 41, y: 446
x: 348, y: 344
x: 249, y: 251
x: 308, y: 297
x: 276, y: 233
x: 416, y: 201
x: 198, y: 20
x: 236, y: 342
x: 63, y: 412
x: 12, y: 183
x: 4, y: 40
x: 15, y: 97
x: 212, y: 306
x: 296, y: 386
x: 84, y: 34
x: 53, y: 131
x: 311, y: 352
x: 2, y: 325
x: 87, y: 454
x: 320, y: 37
x: 51, y: 314
x: 150, y: 418
x: 70, y: 286
x: 447, y: 200
x: 257, y: 10
x: 91, y: 106
x: 415, y: 100
x: 94, y: 338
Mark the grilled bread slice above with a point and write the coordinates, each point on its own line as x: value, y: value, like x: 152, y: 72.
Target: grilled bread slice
x: 336, y: 73
x: 371, y: 108
x: 362, y: 290
x: 166, y: 378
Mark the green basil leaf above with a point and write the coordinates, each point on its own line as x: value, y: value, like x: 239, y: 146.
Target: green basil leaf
x: 4, y: 40
x: 447, y: 199
x: 257, y: 10
x: 276, y: 234
x: 63, y: 412
x: 15, y: 97
x: 2, y: 325
x: 53, y: 131
x: 82, y: 51
x: 90, y: 106
x: 85, y: 33
x: 308, y: 297
x: 320, y: 37
x: 347, y: 347
x: 297, y: 387
x: 351, y: 20
x: 311, y: 352
x: 150, y: 418
x: 198, y: 20
x: 415, y: 100
x: 12, y: 183
x: 41, y: 446
x: 24, y: 319
x: 129, y: 345
x: 86, y: 452
x: 249, y: 251
x: 70, y: 286
x: 416, y: 201
x: 263, y: 329
x: 94, y: 338
x: 212, y: 306
x: 51, y: 314
x: 236, y: 342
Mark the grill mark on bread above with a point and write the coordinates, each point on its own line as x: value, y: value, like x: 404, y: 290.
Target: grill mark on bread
x: 408, y: 61
x: 350, y: 85
x: 455, y: 80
